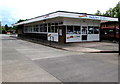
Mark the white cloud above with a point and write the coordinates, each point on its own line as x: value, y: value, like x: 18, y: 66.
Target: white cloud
x: 24, y: 9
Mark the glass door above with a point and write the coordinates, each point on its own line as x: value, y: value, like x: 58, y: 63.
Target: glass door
x: 84, y: 32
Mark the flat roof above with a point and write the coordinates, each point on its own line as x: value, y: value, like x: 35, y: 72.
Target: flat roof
x: 68, y: 15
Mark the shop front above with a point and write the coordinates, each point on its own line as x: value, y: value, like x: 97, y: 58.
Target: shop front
x: 82, y: 30
x: 64, y: 27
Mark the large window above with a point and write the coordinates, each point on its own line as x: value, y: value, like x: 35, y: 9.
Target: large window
x: 25, y: 29
x: 60, y: 23
x: 84, y: 30
x: 69, y: 29
x: 52, y: 29
x: 56, y: 29
x: 90, y: 30
x: 107, y: 31
x: 48, y: 28
x: 30, y: 28
x: 43, y: 28
x: 77, y: 30
x: 96, y: 30
x: 36, y: 29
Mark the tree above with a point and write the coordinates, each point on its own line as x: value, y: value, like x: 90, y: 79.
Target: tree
x: 20, y: 20
x: 98, y: 12
x: 4, y: 31
x: 112, y: 12
x: 6, y: 27
x: 16, y: 27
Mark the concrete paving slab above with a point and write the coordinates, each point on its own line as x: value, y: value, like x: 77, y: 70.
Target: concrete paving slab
x: 24, y: 61
x: 16, y: 67
x: 83, y: 68
x: 92, y: 47
x: 83, y: 50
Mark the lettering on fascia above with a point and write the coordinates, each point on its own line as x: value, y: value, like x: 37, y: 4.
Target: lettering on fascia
x: 94, y: 17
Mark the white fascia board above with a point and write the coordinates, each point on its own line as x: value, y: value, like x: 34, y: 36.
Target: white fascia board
x: 68, y: 15
x: 48, y: 16
x: 85, y: 16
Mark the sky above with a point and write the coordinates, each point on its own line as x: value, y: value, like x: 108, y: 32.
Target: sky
x: 13, y: 10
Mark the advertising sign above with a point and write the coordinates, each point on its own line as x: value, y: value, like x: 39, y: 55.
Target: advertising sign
x: 85, y: 16
x: 73, y: 37
x: 53, y: 37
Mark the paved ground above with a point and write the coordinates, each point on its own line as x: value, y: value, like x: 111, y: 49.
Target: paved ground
x: 24, y: 61
x: 93, y: 47
x: 90, y: 47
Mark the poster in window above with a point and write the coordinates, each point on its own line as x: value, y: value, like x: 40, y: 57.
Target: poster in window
x: 60, y: 32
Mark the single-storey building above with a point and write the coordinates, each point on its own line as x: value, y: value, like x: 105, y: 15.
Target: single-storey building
x: 63, y: 27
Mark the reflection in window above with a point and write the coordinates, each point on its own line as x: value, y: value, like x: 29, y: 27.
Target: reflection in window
x: 84, y: 30
x: 96, y: 30
x: 69, y: 29
x: 56, y: 29
x: 56, y: 23
x: 77, y: 30
x: 41, y: 27
x: 52, y: 29
x: 34, y: 29
x: 48, y: 29
x: 30, y: 28
x: 37, y: 29
x: 60, y: 23
x: 49, y: 24
x: 90, y: 29
x: 107, y: 31
x: 45, y: 29
x: 117, y: 31
x: 111, y: 31
x: 53, y: 24
x: 25, y: 29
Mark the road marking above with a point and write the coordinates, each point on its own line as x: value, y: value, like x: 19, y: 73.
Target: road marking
x: 54, y: 56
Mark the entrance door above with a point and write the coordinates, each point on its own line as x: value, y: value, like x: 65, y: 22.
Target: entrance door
x: 84, y: 33
x: 62, y: 34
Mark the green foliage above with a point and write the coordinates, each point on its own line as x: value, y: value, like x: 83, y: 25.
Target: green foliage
x: 112, y: 12
x: 20, y: 20
x: 118, y: 5
x: 16, y: 27
x: 98, y: 12
x: 0, y: 29
x: 6, y: 27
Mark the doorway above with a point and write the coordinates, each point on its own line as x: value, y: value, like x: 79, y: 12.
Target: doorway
x: 62, y: 34
x: 84, y: 33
